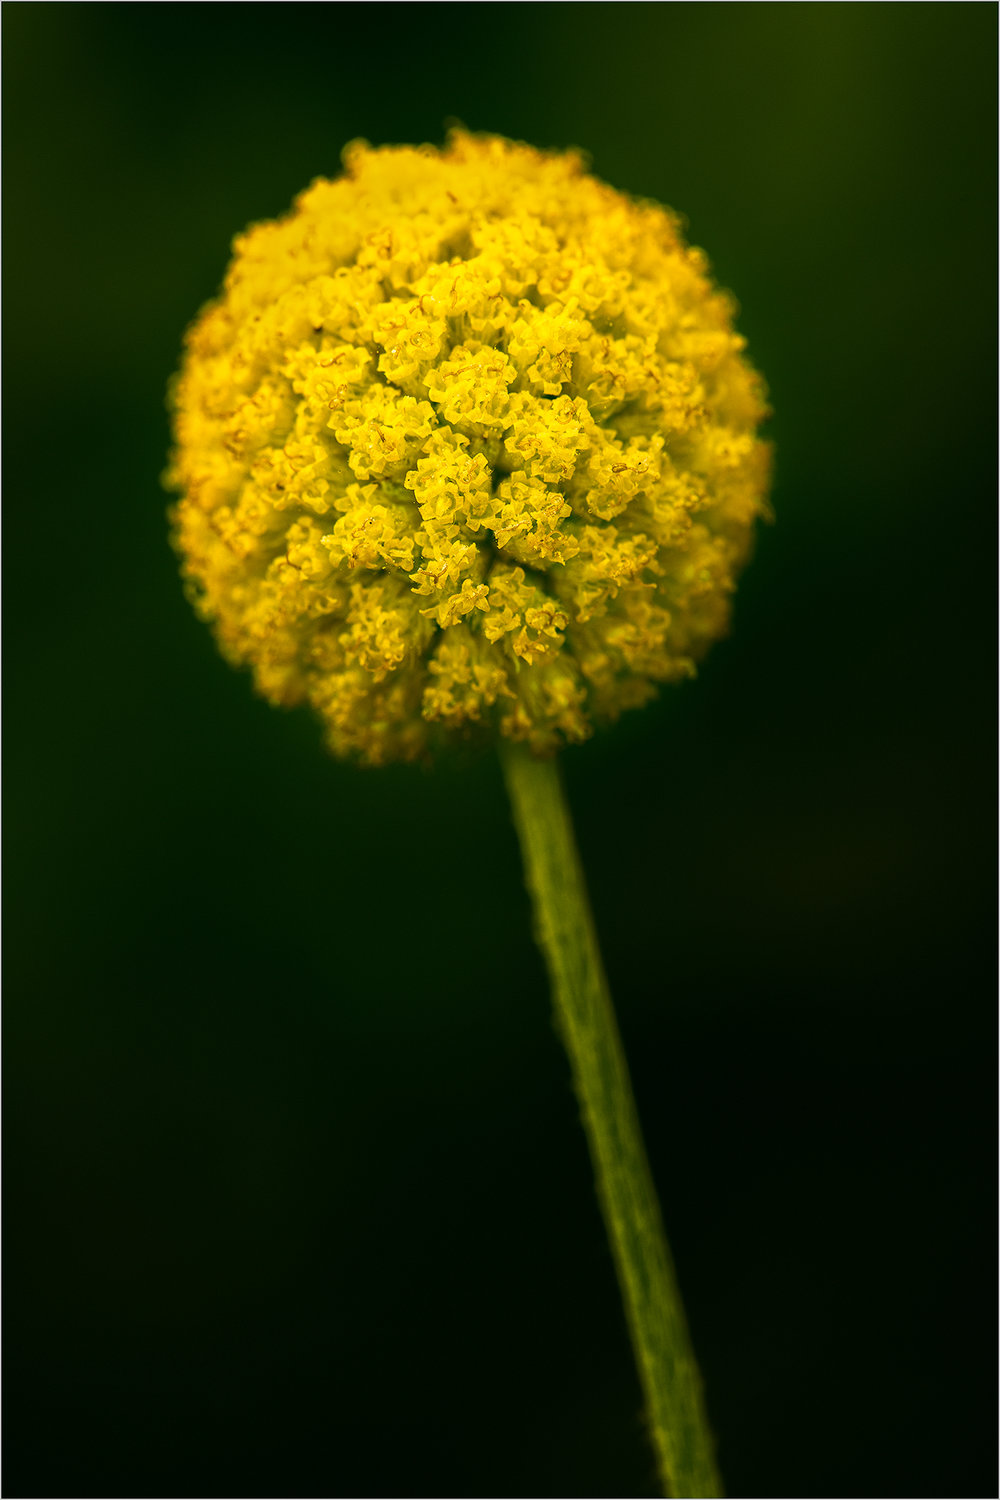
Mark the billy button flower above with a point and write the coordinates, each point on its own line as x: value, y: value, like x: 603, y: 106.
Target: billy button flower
x: 468, y: 444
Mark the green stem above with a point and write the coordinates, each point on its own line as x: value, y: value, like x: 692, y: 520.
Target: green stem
x: 566, y: 935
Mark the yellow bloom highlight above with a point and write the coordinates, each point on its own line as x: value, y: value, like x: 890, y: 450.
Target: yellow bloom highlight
x: 467, y: 439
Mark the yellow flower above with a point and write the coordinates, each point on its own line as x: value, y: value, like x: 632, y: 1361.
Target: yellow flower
x: 468, y: 438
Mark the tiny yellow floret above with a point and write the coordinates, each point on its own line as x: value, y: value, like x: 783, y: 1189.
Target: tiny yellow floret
x: 468, y: 439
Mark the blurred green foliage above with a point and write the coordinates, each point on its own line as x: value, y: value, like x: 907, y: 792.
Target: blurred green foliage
x: 298, y: 1200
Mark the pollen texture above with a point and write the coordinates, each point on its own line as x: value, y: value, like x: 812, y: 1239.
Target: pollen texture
x: 467, y: 440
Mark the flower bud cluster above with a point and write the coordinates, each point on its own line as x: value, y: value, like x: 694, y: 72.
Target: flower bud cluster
x: 468, y: 439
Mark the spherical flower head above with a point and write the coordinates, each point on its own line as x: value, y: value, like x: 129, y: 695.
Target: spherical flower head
x: 468, y: 439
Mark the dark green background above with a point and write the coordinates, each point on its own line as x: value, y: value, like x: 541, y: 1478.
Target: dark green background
x: 298, y: 1203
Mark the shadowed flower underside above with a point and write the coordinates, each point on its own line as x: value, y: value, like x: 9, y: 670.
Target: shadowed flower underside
x: 468, y: 439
